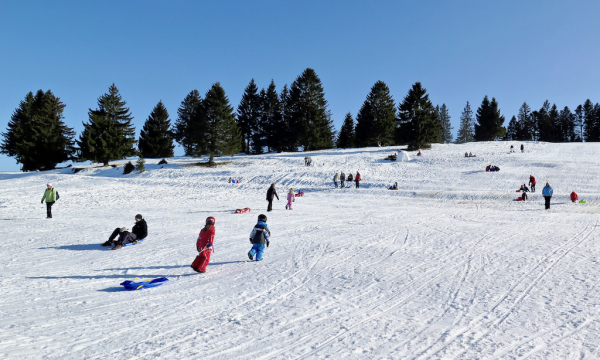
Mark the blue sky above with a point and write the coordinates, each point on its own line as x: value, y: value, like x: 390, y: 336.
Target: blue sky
x: 514, y: 51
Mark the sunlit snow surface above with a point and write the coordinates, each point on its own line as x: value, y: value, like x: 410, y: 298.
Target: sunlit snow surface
x: 447, y: 267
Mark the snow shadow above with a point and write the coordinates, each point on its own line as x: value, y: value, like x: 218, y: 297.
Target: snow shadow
x: 226, y: 262
x: 146, y: 267
x: 79, y: 247
x: 113, y: 289
x: 115, y: 276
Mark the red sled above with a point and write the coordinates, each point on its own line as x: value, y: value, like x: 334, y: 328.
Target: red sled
x: 242, y: 211
x: 299, y: 194
x: 520, y: 198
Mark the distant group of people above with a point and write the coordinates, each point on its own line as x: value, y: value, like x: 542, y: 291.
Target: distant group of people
x: 342, y: 179
x: 233, y: 181
x: 512, y: 148
x: 492, y: 168
x: 307, y: 161
x: 468, y: 154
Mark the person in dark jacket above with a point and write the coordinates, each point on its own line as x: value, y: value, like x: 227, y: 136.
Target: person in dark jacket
x: 259, y: 237
x: 271, y: 193
x: 343, y: 179
x: 138, y: 232
x: 522, y: 148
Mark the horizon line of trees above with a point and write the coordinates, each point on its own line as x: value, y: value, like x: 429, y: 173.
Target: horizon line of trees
x: 268, y: 120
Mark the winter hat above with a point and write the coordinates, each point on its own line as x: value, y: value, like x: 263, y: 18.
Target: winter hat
x: 49, y: 184
x: 262, y: 217
x: 139, y: 216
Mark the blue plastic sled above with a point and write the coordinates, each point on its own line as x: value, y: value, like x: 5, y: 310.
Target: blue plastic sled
x: 131, y: 244
x: 136, y: 285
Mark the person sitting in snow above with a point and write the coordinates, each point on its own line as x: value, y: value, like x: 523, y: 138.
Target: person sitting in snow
x: 138, y: 232
x: 524, y: 188
x: 471, y: 155
x: 574, y: 196
x: 204, y: 245
x: 350, y: 178
x: 419, y: 153
x: 259, y: 237
x: 394, y: 187
x: 466, y: 154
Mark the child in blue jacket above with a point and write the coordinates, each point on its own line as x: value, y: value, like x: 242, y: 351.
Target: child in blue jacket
x: 259, y: 237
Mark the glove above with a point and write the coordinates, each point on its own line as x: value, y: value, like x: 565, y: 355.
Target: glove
x: 268, y: 242
x: 42, y: 202
x: 208, y: 246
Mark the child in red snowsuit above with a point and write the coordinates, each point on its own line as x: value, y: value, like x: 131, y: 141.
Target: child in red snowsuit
x: 574, y: 196
x: 204, y: 245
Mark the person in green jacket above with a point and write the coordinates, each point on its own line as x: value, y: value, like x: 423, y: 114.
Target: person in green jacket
x: 50, y: 197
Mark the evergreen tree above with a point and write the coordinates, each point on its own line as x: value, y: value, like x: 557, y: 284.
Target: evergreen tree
x: 155, y: 138
x: 444, y: 118
x: 288, y: 133
x: 36, y: 135
x: 489, y: 121
x: 310, y: 117
x: 346, y: 136
x: 419, y: 124
x: 140, y: 165
x: 187, y: 122
x: 512, y: 130
x: 590, y: 121
x: 465, y: 132
x: 109, y: 135
x: 579, y: 122
x: 261, y: 127
x: 248, y: 113
x: 566, y: 126
x: 525, y: 129
x: 376, y: 119
x: 545, y: 124
x: 220, y: 134
x: 271, y: 119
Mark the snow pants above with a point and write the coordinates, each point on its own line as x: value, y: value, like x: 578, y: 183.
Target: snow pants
x: 270, y: 206
x: 547, y: 198
x: 336, y: 184
x: 49, y: 209
x: 289, y: 205
x: 532, y: 187
x: 258, y: 250
x: 357, y: 183
x: 524, y: 195
x: 125, y: 237
x: 201, y: 261
x: 343, y: 183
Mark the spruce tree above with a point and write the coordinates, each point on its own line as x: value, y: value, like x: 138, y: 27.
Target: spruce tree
x: 187, y: 122
x: 525, y: 129
x: 489, y: 121
x: 109, y: 135
x: 248, y: 112
x: 579, y: 122
x: 465, y: 132
x: 288, y: 134
x: 310, y: 117
x: 545, y: 124
x: 376, y: 119
x: 36, y: 135
x: 346, y: 136
x: 220, y: 134
x: 566, y: 126
x: 590, y: 121
x: 444, y: 118
x: 512, y: 130
x: 272, y: 119
x: 261, y: 126
x: 419, y: 124
x: 155, y: 138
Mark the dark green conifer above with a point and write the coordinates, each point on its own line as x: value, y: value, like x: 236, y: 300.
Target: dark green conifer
x: 444, y: 118
x: 376, y: 119
x: 419, y: 124
x: 36, y: 135
x: 109, y: 135
x: 220, y: 134
x: 489, y: 121
x: 346, y: 136
x: 287, y: 132
x: 187, y: 122
x: 248, y: 112
x: 466, y: 131
x: 271, y: 119
x: 310, y: 117
x: 155, y: 138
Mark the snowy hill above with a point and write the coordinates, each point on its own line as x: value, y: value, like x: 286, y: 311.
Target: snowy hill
x: 447, y: 267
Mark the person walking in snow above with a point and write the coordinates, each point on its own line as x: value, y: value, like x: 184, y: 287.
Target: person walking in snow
x: 532, y: 183
x: 259, y: 237
x: 357, y: 179
x: 335, y: 180
x: 342, y: 179
x: 50, y: 196
x: 204, y: 245
x: 271, y: 193
x: 522, y: 148
x: 547, y: 192
x: 291, y: 198
x: 138, y: 232
x: 512, y: 149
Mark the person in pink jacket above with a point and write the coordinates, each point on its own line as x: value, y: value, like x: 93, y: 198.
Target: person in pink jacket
x: 291, y: 199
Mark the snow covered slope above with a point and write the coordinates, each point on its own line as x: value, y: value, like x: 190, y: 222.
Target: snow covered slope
x: 447, y: 267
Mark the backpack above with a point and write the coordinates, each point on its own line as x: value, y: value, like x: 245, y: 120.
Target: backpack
x: 57, y: 196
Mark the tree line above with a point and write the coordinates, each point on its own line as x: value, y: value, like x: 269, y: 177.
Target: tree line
x: 297, y: 117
